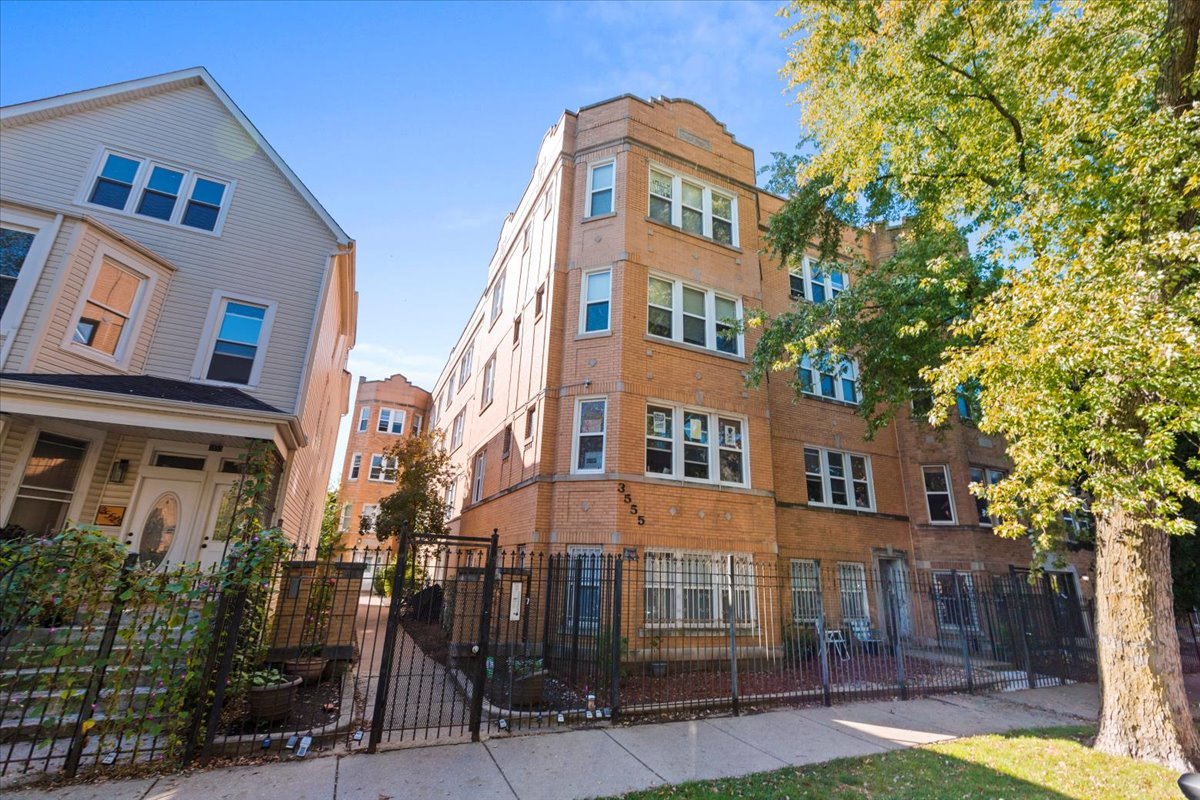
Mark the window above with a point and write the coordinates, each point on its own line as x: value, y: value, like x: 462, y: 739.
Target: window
x: 597, y: 291
x: 383, y: 468
x: 506, y: 447
x: 600, y: 189
x: 692, y: 589
x: 466, y: 365
x: 967, y: 400
x: 530, y: 419
x: 48, y: 484
x: 693, y: 206
x: 539, y: 300
x: 241, y: 331
x: 829, y: 483
x: 418, y: 423
x: 366, y: 522
x: 450, y: 388
x: 811, y: 282
x: 516, y: 339
x: 1078, y: 521
x: 693, y: 315
x: 954, y: 600
x: 355, y: 466
x: 695, y: 445
x: 106, y: 313
x: 583, y: 576
x: 364, y: 419
x: 497, y: 299
x: 852, y: 586
x: 836, y: 380
x: 526, y: 235
x: 589, y: 434
x: 489, y: 383
x: 548, y: 199
x: 347, y: 515
x: 937, y: 495
x: 158, y: 189
x: 451, y: 495
x: 14, y: 248
x: 456, y: 430
x: 984, y: 476
x: 391, y: 420
x: 922, y: 404
x: 25, y: 241
x: 478, y: 475
x: 177, y: 461
x: 806, y: 591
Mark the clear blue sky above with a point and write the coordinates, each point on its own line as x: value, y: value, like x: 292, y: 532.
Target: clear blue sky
x: 416, y: 124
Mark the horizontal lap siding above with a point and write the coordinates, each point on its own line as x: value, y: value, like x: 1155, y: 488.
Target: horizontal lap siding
x: 273, y: 245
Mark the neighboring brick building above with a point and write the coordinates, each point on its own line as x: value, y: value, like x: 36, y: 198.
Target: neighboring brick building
x: 592, y: 402
x: 384, y: 412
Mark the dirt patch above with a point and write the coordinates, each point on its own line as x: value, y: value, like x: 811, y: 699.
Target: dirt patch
x: 315, y: 707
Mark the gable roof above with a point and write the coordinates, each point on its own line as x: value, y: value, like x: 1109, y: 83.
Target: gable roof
x: 155, y: 84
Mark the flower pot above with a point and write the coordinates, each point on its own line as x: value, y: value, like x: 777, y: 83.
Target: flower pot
x: 527, y: 689
x: 658, y: 669
x: 307, y: 667
x: 272, y: 703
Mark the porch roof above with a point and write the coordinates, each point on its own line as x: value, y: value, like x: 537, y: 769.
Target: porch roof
x: 149, y: 386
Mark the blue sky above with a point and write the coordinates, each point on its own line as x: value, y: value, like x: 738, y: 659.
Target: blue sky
x: 416, y: 124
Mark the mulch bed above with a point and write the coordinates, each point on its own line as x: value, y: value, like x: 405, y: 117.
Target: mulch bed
x: 307, y: 713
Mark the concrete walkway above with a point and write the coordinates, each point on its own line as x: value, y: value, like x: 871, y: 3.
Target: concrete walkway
x: 612, y: 760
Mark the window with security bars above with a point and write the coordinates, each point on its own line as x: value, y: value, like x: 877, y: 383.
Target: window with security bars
x: 583, y: 585
x: 806, y: 590
x: 694, y: 588
x: 954, y: 600
x: 852, y: 587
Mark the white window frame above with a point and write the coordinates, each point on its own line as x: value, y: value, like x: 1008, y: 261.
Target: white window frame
x: 707, y: 190
x: 826, y: 493
x: 355, y: 467
x: 370, y: 511
x: 665, y: 572
x: 592, y: 190
x: 497, y: 299
x: 583, y: 302
x: 451, y: 494
x: 395, y: 424
x: 858, y: 586
x: 803, y: 594
x: 810, y: 380
x: 949, y: 494
x: 710, y: 315
x: 208, y: 339
x: 972, y: 605
x: 146, y: 165
x: 466, y: 365
x: 714, y: 446
x: 137, y: 310
x: 488, y: 392
x: 456, y: 430
x: 44, y: 228
x: 87, y: 469
x: 381, y: 464
x: 990, y: 477
x: 479, y: 471
x: 347, y: 516
x: 576, y: 435
x: 417, y: 424
x: 807, y: 271
x: 364, y: 419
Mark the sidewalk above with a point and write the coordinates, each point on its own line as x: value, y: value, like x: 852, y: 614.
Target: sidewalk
x: 608, y: 761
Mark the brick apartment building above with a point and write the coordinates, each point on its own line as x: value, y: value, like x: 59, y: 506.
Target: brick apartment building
x: 596, y: 401
x: 383, y: 414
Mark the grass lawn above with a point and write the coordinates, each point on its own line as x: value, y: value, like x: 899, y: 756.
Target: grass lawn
x: 1048, y: 764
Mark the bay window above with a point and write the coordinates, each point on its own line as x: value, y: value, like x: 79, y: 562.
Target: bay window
x: 692, y: 206
x: 600, y: 189
x: 836, y: 379
x: 816, y: 283
x: 693, y: 315
x: 594, y: 306
x: 695, y: 444
x: 838, y: 479
x: 692, y: 589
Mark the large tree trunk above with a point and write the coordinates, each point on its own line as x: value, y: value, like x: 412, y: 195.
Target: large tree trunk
x: 1144, y: 710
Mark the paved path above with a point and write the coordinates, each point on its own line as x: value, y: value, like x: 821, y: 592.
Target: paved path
x: 612, y: 760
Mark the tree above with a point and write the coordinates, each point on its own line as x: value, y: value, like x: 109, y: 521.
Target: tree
x: 423, y: 473
x: 1063, y: 141
x: 327, y: 542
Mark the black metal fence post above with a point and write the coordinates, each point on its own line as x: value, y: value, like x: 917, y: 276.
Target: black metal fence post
x: 107, y: 640
x: 823, y: 656
x: 227, y: 641
x: 485, y: 630
x: 731, y: 615
x: 894, y: 612
x: 388, y: 658
x: 575, y: 573
x: 614, y: 699
x: 964, y: 624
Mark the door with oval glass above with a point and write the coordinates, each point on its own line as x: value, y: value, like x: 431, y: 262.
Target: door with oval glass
x: 163, y: 520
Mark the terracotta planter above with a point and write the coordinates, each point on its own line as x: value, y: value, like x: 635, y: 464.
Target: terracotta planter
x: 308, y: 667
x: 527, y: 689
x: 272, y: 703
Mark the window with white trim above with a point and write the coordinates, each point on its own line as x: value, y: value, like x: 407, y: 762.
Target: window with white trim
x: 418, y: 424
x: 364, y: 419
x: 105, y: 321
x: 391, y: 420
x: 693, y: 315
x: 833, y: 379
x: 450, y: 388
x: 489, y: 383
x: 590, y: 424
x: 583, y: 575
x: 954, y: 600
x: 466, y: 365
x: 938, y: 499
x: 238, y: 340
x: 347, y: 515
x: 695, y: 445
x: 1078, y: 521
x: 852, y: 588
x: 806, y: 590
x: 456, y: 430
x: 48, y: 485
x: 479, y: 471
x: 383, y: 468
x: 25, y: 241
x: 814, y: 283
x: 692, y: 589
x: 172, y: 194
x: 601, y: 177
x: 596, y: 300
x: 366, y: 520
x: 693, y: 206
x: 841, y: 480
x: 355, y: 466
x: 497, y: 299
x: 984, y: 476
x: 450, y: 496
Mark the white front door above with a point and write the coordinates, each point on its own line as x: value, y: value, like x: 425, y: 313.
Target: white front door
x: 164, y: 527
x: 216, y: 520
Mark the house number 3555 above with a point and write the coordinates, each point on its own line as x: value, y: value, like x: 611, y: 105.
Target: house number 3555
x: 628, y: 498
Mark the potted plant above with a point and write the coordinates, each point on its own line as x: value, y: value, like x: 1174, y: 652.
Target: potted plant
x: 658, y: 667
x: 528, y: 680
x: 271, y: 694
